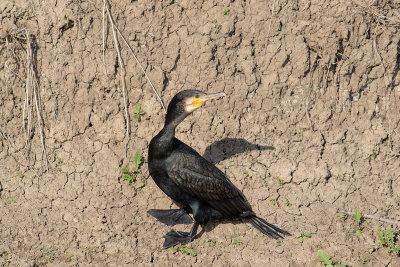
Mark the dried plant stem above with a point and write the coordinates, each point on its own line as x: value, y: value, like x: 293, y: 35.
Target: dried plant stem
x: 145, y: 74
x: 106, y: 8
x: 32, y: 95
x: 121, y: 63
x: 104, y: 38
x: 374, y: 218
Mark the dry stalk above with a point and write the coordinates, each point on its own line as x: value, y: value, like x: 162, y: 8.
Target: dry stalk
x: 374, y: 218
x: 145, y: 74
x: 104, y: 38
x: 106, y: 8
x: 32, y: 96
x: 121, y: 63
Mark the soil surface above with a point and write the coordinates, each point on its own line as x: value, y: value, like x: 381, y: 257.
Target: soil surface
x: 310, y: 128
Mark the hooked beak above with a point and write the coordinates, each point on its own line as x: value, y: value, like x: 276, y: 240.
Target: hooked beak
x: 197, y: 102
x: 206, y: 97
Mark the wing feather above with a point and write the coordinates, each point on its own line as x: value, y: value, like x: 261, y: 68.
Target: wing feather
x: 201, y: 179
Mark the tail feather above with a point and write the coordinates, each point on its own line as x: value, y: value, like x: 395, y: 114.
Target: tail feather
x: 267, y: 228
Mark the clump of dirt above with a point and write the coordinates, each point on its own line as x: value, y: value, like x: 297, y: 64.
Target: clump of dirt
x: 309, y: 128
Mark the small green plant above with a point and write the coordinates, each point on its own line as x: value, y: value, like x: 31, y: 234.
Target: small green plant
x: 246, y: 174
x: 342, y: 264
x: 357, y: 216
x: 359, y: 232
x: 5, y: 262
x: 364, y: 260
x: 288, y: 203
x: 306, y: 235
x: 140, y: 185
x: 184, y: 249
x: 8, y: 201
x: 19, y: 173
x: 273, y: 202
x: 281, y: 182
x: 3, y: 252
x: 278, y: 243
x: 303, y: 235
x: 226, y: 11
x: 236, y: 242
x: 130, y: 175
x: 343, y: 216
x: 59, y: 162
x: 138, y: 112
x: 188, y: 251
x: 218, y: 27
x: 388, y: 239
x: 325, y: 258
x: 211, y: 240
x: 50, y: 258
x: 373, y: 154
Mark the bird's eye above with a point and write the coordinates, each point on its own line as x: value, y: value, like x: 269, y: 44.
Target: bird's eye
x: 196, y: 96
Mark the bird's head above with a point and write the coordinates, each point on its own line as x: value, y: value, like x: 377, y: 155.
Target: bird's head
x: 185, y: 102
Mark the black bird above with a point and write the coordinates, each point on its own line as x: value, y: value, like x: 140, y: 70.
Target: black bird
x: 193, y: 182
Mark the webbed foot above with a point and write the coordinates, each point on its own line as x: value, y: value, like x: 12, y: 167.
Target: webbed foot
x: 173, y: 238
x: 171, y: 217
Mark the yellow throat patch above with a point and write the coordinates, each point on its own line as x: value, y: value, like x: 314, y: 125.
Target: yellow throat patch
x: 197, y: 102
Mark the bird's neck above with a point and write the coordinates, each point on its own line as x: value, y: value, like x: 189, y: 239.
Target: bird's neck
x: 164, y: 141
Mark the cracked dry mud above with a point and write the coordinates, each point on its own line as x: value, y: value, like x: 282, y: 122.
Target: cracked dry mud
x: 309, y: 128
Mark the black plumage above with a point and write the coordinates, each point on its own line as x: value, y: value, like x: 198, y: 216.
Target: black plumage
x: 193, y: 182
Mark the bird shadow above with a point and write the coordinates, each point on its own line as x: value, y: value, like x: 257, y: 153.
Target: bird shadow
x: 228, y: 147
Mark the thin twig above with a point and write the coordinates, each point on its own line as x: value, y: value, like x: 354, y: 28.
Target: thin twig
x: 35, y: 87
x: 374, y: 218
x: 121, y: 62
x: 106, y: 7
x: 104, y: 39
x: 145, y: 74
x: 31, y: 95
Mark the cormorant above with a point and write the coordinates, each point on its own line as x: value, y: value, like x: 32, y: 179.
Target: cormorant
x: 193, y: 182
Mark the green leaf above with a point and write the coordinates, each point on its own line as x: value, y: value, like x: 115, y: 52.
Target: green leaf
x: 325, y: 259
x: 306, y: 235
x: 139, y: 185
x: 136, y: 116
x: 125, y: 170
x: 138, y: 106
x: 138, y: 159
x: 188, y: 251
x: 390, y: 236
x: 129, y: 178
x: 142, y: 112
x: 358, y: 232
x: 174, y: 250
x: 357, y: 216
x: 381, y: 237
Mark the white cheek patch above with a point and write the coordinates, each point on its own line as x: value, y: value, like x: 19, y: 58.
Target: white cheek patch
x: 189, y: 108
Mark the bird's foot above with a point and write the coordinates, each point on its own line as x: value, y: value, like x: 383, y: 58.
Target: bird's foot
x: 173, y: 238
x: 171, y: 217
